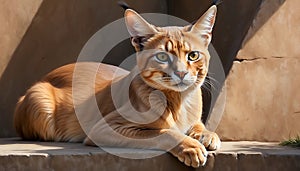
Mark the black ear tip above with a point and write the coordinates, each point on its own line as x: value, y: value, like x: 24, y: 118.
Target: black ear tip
x: 216, y: 2
x: 124, y: 5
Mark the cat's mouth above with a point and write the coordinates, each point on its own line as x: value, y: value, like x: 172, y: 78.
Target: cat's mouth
x: 175, y: 84
x: 170, y: 79
x: 181, y: 84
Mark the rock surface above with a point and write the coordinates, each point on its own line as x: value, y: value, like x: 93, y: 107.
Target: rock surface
x: 263, y: 96
x: 24, y: 155
x: 262, y: 101
x: 14, y: 24
x: 275, y: 31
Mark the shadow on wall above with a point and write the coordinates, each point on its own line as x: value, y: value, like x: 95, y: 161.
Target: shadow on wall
x: 234, y: 19
x: 57, y: 33
x: 60, y: 29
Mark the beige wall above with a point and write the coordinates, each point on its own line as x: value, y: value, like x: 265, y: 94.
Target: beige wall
x: 38, y: 36
x: 233, y: 21
x: 14, y: 24
x: 15, y: 18
x: 263, y: 96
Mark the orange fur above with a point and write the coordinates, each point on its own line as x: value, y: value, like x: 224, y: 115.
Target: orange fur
x: 164, y: 96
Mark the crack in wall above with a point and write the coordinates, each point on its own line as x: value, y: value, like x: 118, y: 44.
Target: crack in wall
x: 259, y: 58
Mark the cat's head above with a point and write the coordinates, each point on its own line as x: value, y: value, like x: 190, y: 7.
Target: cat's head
x: 172, y: 58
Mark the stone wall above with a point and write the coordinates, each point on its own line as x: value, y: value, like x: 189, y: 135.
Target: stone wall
x: 14, y: 24
x: 38, y: 36
x: 15, y: 18
x: 263, y: 96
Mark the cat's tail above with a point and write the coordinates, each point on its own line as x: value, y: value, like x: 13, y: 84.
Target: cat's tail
x: 35, y: 112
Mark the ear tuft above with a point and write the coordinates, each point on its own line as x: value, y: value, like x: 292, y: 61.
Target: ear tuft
x: 216, y: 2
x: 124, y: 5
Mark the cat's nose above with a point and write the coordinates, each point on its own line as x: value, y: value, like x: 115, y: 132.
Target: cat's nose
x: 180, y: 74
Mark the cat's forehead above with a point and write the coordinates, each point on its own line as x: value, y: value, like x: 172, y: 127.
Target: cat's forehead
x: 170, y: 28
x: 174, y: 32
x: 174, y: 38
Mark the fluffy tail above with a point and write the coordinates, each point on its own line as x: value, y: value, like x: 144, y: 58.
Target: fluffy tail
x: 34, y: 113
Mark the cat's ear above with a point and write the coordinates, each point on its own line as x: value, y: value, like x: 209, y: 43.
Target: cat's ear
x: 139, y: 29
x: 204, y: 26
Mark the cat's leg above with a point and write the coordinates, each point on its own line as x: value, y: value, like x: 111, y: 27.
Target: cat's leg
x: 209, y: 139
x: 119, y: 133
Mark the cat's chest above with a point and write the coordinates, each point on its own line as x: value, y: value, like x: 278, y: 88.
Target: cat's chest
x: 187, y: 114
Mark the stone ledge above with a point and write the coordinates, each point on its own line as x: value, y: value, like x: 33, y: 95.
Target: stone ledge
x: 243, y: 155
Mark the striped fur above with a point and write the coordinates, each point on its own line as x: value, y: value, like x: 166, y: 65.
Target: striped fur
x: 163, y: 89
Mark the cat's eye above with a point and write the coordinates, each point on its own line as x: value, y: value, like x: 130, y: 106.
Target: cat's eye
x: 162, y: 57
x: 193, y: 56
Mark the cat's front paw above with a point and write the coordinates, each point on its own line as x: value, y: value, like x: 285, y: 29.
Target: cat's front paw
x: 191, y: 152
x: 209, y: 139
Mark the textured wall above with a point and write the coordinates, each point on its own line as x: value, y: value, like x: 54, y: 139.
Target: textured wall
x: 263, y: 97
x: 233, y: 21
x: 38, y: 36
x: 15, y: 19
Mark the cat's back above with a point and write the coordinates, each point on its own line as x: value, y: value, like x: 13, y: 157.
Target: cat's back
x: 83, y: 72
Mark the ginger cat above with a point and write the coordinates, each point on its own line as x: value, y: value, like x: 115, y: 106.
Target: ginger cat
x: 163, y: 90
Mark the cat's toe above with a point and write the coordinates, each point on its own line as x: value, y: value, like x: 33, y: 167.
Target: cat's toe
x: 211, y: 141
x: 191, y: 153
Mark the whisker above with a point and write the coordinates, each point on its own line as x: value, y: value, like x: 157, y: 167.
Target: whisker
x: 209, y: 85
x: 212, y: 82
x: 213, y: 79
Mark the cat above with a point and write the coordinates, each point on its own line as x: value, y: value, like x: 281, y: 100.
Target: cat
x: 164, y: 95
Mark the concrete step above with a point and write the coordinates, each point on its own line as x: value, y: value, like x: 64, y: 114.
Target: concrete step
x: 244, y: 155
